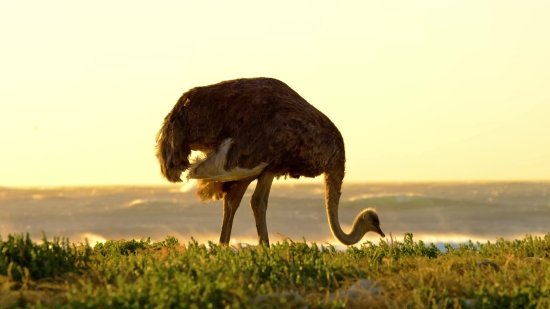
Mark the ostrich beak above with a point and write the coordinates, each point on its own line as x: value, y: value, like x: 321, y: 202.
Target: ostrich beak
x: 379, y: 231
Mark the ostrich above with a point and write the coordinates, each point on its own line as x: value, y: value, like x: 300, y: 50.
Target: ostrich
x: 255, y: 129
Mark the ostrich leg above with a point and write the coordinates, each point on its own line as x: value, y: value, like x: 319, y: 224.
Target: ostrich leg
x: 258, y: 203
x: 231, y: 202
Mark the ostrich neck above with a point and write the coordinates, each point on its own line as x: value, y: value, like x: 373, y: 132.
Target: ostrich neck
x: 333, y: 185
x: 347, y: 239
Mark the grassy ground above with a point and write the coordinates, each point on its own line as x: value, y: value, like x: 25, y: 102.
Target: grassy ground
x: 143, y: 274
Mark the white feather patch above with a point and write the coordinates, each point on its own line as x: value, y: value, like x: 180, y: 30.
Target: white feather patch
x: 210, y: 167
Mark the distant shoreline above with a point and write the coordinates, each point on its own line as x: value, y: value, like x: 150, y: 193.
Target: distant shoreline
x: 283, y: 183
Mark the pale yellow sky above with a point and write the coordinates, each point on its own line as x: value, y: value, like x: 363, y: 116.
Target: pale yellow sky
x: 421, y: 90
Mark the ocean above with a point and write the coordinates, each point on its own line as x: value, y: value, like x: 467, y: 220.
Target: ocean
x: 436, y: 213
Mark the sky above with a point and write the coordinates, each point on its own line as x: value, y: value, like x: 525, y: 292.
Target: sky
x: 420, y: 90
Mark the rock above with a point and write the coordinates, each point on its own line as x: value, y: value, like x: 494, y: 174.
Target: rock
x: 486, y: 264
x: 464, y: 303
x: 364, y: 287
x: 357, y: 294
x: 280, y: 300
x: 469, y: 302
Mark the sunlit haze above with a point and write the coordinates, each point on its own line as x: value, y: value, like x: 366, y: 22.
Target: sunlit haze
x: 421, y: 90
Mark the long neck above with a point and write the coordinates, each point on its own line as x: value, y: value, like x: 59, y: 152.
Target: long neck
x: 333, y: 184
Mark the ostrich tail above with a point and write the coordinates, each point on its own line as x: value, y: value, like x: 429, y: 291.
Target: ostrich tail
x: 209, y: 190
x: 172, y: 152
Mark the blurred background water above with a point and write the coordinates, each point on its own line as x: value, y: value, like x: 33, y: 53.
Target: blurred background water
x: 434, y: 212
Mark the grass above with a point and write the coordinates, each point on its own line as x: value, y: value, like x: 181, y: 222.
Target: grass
x: 167, y: 274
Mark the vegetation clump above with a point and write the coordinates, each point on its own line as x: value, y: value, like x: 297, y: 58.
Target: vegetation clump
x: 167, y: 274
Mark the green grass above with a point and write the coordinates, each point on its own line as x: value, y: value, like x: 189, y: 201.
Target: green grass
x: 167, y: 274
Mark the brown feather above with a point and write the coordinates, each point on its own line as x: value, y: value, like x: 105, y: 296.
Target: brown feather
x: 267, y: 121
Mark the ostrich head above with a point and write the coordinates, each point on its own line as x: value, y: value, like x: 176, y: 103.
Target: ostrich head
x: 368, y: 218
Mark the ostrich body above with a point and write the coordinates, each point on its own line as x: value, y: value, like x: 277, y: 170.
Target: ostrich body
x: 255, y: 128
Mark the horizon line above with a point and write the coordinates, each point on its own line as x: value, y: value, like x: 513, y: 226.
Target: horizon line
x: 292, y: 182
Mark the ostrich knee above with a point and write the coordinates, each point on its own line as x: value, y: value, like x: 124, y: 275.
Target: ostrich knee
x: 257, y: 203
x: 258, y: 206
